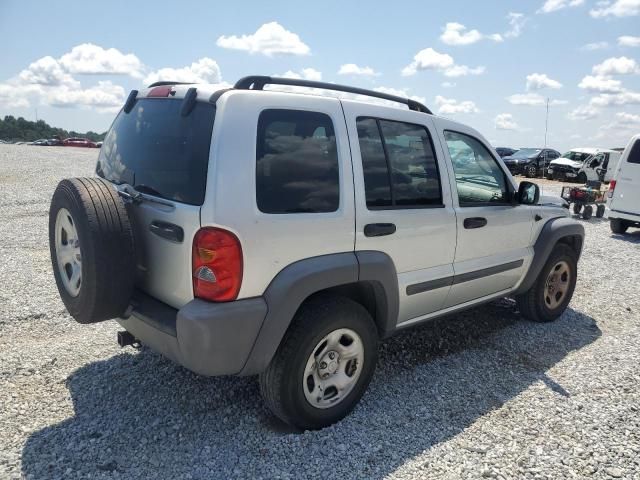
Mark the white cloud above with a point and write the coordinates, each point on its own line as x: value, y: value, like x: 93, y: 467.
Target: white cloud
x: 353, y: 69
x: 204, y: 70
x: 46, y: 71
x: 616, y: 8
x: 448, y: 84
x: 505, y: 121
x: 616, y: 66
x: 457, y: 34
x: 532, y: 100
x: 555, y: 5
x: 105, y: 97
x: 270, y: 39
x: 583, y: 112
x: 305, y: 74
x: 600, y: 84
x: 626, y: 97
x: 595, y: 46
x: 629, y: 41
x: 538, y: 81
x: 628, y: 117
x: 450, y: 106
x: 15, y: 95
x: 429, y: 59
x: 516, y: 24
x: 90, y: 59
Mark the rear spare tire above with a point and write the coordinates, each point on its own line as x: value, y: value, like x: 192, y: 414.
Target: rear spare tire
x: 92, y: 249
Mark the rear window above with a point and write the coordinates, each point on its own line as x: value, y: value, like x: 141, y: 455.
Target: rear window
x: 158, y: 151
x: 296, y: 163
x: 634, y: 154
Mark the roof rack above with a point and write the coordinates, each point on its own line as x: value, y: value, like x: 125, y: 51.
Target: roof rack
x: 168, y: 82
x: 257, y: 82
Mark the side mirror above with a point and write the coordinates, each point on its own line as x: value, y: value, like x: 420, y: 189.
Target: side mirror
x: 528, y: 193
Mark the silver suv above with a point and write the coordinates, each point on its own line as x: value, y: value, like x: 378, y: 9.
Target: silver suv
x: 251, y: 231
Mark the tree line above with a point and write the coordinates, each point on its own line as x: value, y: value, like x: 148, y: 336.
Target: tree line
x: 20, y: 130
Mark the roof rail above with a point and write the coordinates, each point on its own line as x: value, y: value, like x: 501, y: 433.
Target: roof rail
x: 257, y: 82
x: 168, y: 82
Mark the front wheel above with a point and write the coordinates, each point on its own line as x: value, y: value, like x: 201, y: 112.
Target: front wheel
x: 577, y: 207
x: 323, y: 365
x: 531, y: 171
x: 551, y: 293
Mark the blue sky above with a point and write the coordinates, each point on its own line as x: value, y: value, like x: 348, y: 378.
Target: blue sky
x: 490, y: 64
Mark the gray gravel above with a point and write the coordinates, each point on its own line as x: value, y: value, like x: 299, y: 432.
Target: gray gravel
x: 481, y: 395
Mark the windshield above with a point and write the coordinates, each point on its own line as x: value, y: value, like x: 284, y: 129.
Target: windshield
x: 526, y: 153
x: 158, y: 151
x: 576, y: 156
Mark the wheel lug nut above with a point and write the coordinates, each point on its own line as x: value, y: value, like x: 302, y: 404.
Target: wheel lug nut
x: 332, y: 355
x: 323, y: 364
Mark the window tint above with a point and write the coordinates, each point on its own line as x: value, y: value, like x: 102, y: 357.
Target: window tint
x: 158, y: 151
x: 479, y: 178
x: 296, y: 163
x: 634, y: 154
x: 399, y: 164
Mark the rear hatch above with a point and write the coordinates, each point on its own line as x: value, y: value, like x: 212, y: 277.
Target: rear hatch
x: 161, y: 156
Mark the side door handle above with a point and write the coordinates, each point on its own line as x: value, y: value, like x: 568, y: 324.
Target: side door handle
x: 168, y: 231
x: 379, y: 229
x: 474, y: 222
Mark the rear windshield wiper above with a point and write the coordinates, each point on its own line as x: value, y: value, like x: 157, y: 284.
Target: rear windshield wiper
x: 142, y: 188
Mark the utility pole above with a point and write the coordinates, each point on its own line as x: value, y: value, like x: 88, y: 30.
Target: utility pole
x: 546, y: 124
x: 36, y: 115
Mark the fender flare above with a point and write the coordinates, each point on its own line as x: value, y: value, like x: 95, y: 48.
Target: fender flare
x: 296, y: 282
x: 553, y: 231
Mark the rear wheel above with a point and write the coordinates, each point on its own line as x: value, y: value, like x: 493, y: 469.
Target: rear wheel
x: 618, y: 226
x: 323, y: 365
x: 551, y: 293
x: 587, y: 212
x: 531, y: 171
x: 92, y: 249
x: 600, y: 211
x: 577, y: 207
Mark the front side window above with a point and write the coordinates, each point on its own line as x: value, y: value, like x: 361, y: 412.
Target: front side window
x: 479, y: 178
x: 399, y: 165
x: 296, y: 163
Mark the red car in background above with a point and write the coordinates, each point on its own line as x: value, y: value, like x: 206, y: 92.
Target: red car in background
x: 78, y: 142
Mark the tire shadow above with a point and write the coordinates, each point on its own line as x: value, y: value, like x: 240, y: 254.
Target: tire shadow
x: 140, y: 415
x: 631, y: 237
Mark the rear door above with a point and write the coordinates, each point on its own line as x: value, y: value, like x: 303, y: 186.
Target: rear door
x: 493, y: 243
x: 403, y: 201
x: 164, y: 156
x: 627, y: 191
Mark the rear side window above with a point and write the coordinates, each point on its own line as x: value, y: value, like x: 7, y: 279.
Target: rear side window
x: 399, y: 165
x: 296, y: 163
x: 634, y: 154
x: 158, y: 151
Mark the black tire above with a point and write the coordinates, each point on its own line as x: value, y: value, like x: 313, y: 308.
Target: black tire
x: 106, y: 244
x: 531, y: 171
x: 577, y: 208
x: 581, y: 178
x: 618, y: 226
x: 548, y: 176
x: 281, y: 384
x: 532, y: 303
x: 600, y: 211
x: 587, y: 212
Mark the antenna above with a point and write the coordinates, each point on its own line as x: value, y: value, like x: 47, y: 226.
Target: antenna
x: 546, y: 124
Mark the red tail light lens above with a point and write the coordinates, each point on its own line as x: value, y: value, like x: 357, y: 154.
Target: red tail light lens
x: 612, y: 187
x: 216, y: 265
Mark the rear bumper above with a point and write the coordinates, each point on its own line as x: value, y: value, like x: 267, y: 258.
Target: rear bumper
x: 207, y: 338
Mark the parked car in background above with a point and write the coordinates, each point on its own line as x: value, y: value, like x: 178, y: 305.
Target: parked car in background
x: 624, y: 190
x: 47, y: 142
x: 601, y: 166
x: 78, y: 142
x: 505, y: 151
x: 530, y: 161
x: 41, y: 141
x: 572, y: 165
x: 98, y: 144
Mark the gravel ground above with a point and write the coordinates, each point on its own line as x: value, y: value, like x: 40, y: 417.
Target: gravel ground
x: 483, y: 394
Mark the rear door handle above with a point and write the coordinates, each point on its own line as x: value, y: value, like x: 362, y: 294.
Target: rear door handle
x: 474, y: 222
x: 167, y: 230
x: 379, y: 229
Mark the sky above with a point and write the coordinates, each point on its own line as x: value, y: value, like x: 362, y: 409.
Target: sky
x: 489, y: 64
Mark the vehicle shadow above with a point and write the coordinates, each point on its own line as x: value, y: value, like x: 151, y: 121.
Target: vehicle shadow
x: 139, y: 415
x: 632, y: 237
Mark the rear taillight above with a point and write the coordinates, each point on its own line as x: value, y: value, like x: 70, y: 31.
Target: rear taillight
x: 612, y: 187
x: 217, y: 265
